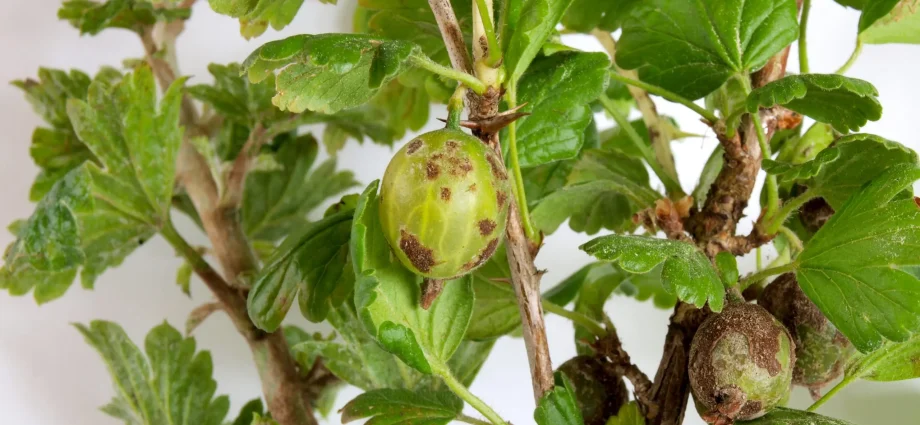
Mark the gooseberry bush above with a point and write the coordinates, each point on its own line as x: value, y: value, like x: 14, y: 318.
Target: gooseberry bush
x: 420, y: 271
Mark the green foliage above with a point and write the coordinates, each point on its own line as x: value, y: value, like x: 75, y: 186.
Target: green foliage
x: 894, y: 361
x: 387, y: 298
x: 785, y: 416
x: 558, y: 407
x: 586, y: 15
x: 806, y: 147
x: 390, y: 406
x: 311, y: 264
x: 603, y: 190
x: 91, y: 17
x: 171, y: 385
x: 854, y: 267
x: 846, y: 103
x: 901, y: 25
x: 495, y: 311
x: 686, y: 271
x: 56, y: 149
x: 839, y: 171
x: 557, y: 90
x: 874, y: 10
x: 249, y: 412
x: 692, y: 48
x: 100, y: 212
x: 600, y: 280
x: 648, y: 286
x: 328, y: 72
x: 256, y: 15
x: 237, y: 99
x: 413, y: 21
x: 628, y: 415
x: 533, y: 21
x: 728, y: 268
x: 277, y: 202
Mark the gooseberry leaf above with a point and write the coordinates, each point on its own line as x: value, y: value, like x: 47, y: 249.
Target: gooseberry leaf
x: 356, y: 358
x: 586, y: 15
x: 708, y: 175
x: 98, y: 213
x: 249, y: 411
x: 692, y: 48
x: 277, y: 202
x: 844, y: 102
x: 237, y: 98
x: 629, y: 414
x: 413, y: 21
x: 685, y: 272
x: 901, y: 25
x: 786, y: 416
x: 393, y: 406
x: 387, y: 297
x: 728, y: 268
x: 495, y: 312
x: 894, y: 361
x: 604, y: 189
x: 533, y: 22
x: 91, y: 16
x: 647, y: 286
x: 806, y: 147
x: 328, y: 72
x: 874, y: 10
x: 542, y: 180
x: 171, y: 384
x: 558, y: 406
x: 557, y: 90
x: 256, y: 15
x: 841, y: 170
x: 853, y: 268
x: 311, y: 264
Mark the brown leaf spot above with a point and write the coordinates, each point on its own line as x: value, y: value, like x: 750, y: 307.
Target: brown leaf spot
x: 445, y: 194
x: 486, y: 227
x: 414, y: 146
x: 498, y: 169
x: 420, y: 256
x: 432, y: 170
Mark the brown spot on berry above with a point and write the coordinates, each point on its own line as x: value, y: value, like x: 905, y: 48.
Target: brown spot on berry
x: 498, y: 169
x: 452, y: 145
x: 420, y: 256
x: 414, y: 146
x: 486, y: 227
x: 488, y: 250
x: 445, y: 193
x: 501, y: 197
x: 472, y: 188
x: 917, y: 201
x: 432, y: 170
x: 460, y: 167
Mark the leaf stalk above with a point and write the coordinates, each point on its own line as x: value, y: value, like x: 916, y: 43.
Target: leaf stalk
x: 468, y: 80
x: 464, y: 393
x: 667, y: 94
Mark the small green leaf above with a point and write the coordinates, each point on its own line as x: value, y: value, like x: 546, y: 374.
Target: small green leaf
x: 558, y: 407
x: 391, y: 406
x: 841, y: 170
x: 874, y: 10
x: 258, y: 419
x: 901, y: 25
x: 854, y: 267
x: 249, y: 411
x: 277, y: 202
x: 805, y: 148
x: 846, y: 103
x: 256, y: 15
x: 785, y: 416
x: 310, y: 263
x: 711, y: 170
x: 557, y: 90
x: 535, y: 22
x: 184, y: 277
x: 387, y: 297
x: 728, y: 268
x: 604, y: 190
x: 692, y: 48
x: 234, y: 97
x: 630, y: 414
x: 894, y: 361
x: 328, y: 72
x: 173, y: 384
x: 728, y: 100
x: 648, y: 286
x: 586, y: 15
x: 686, y: 271
x: 91, y: 17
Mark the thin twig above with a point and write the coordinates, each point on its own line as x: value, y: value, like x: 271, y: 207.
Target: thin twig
x: 611, y: 347
x: 236, y: 178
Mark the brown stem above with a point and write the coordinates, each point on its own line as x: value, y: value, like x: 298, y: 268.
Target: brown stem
x: 283, y: 388
x: 236, y: 178
x: 714, y: 230
x: 610, y: 347
x: 453, y: 35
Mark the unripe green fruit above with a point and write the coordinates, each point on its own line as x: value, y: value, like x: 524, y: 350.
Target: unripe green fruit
x: 443, y: 203
x: 820, y: 349
x: 599, y: 393
x: 741, y: 364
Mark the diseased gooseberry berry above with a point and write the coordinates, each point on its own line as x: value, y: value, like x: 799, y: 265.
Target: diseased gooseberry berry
x: 820, y: 349
x: 443, y: 203
x: 599, y: 393
x: 740, y: 364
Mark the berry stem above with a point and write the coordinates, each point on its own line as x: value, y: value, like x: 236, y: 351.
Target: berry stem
x: 855, y: 55
x: 464, y: 393
x: 803, y: 42
x: 830, y: 394
x: 763, y: 274
x: 519, y: 194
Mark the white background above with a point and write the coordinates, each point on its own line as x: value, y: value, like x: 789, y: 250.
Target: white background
x: 49, y: 376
